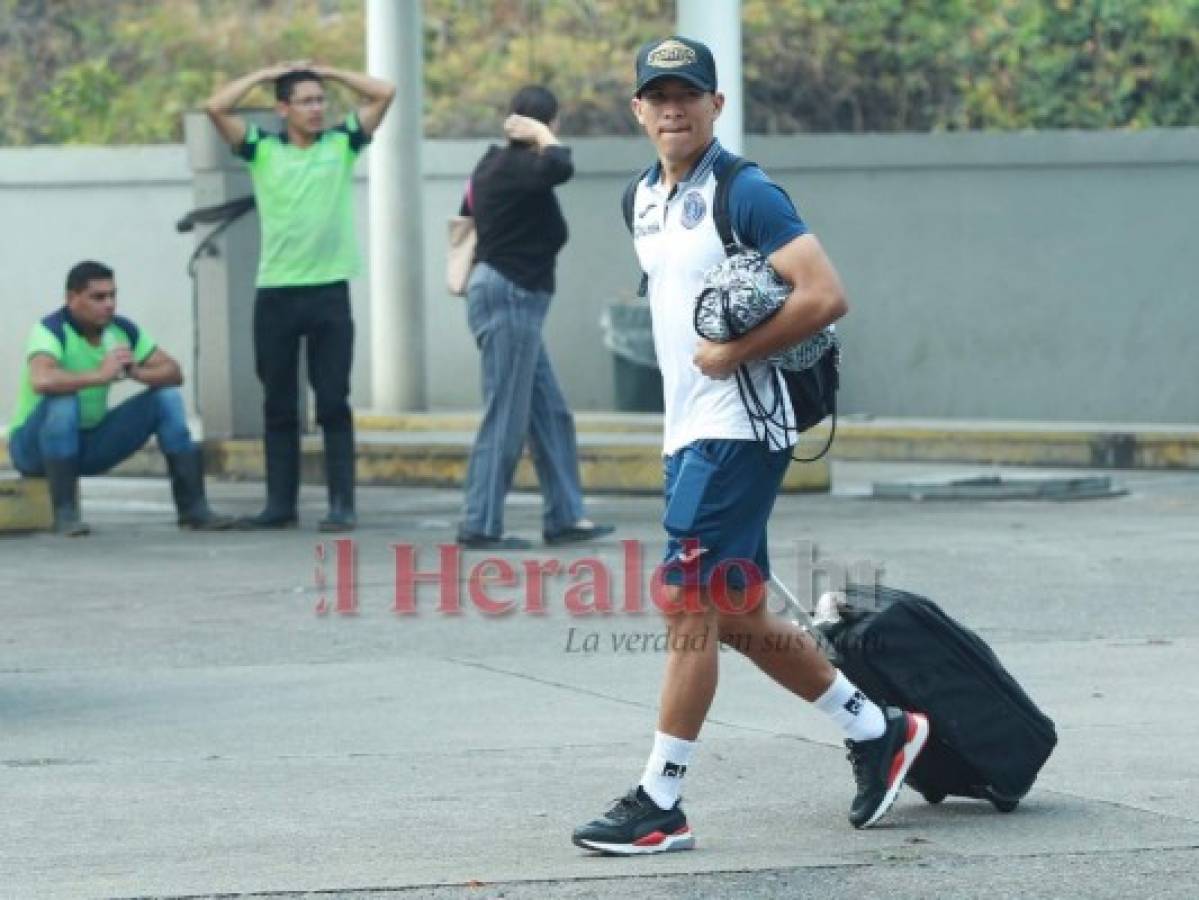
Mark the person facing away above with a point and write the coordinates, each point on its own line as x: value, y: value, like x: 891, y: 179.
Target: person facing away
x: 303, y: 187
x: 62, y: 427
x: 520, y: 231
x: 722, y: 477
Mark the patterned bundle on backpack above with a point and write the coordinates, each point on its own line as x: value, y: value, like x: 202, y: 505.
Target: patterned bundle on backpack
x: 740, y: 293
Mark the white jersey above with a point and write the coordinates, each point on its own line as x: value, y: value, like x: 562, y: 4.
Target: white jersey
x: 676, y: 241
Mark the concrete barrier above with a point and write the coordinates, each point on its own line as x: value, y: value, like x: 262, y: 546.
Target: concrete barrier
x: 24, y: 504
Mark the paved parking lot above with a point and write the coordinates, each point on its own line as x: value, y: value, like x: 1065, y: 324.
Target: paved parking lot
x: 177, y: 719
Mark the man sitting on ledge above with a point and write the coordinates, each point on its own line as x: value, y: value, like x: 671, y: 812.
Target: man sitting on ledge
x: 62, y: 427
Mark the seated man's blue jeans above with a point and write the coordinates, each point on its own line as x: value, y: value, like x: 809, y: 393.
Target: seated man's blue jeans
x: 52, y: 432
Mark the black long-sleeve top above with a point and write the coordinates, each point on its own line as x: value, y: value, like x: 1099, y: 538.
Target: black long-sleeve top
x: 518, y: 220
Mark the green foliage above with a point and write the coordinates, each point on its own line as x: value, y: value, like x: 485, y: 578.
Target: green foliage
x: 74, y: 71
x: 123, y: 71
x: 919, y: 65
x: 478, y: 53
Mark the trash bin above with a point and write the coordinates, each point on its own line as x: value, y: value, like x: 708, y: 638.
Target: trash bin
x: 629, y: 335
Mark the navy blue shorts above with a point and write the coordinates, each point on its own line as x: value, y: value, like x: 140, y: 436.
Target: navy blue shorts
x: 719, y: 494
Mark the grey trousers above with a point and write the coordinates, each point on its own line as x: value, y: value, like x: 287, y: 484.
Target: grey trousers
x: 521, y: 399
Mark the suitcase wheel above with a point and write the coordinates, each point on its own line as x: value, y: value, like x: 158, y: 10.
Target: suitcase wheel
x: 931, y: 795
x: 999, y: 801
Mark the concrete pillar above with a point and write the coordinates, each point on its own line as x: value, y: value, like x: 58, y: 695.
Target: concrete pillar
x: 228, y: 398
x: 394, y: 48
x: 718, y: 24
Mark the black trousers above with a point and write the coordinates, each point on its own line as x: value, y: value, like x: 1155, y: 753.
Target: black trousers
x: 321, y: 315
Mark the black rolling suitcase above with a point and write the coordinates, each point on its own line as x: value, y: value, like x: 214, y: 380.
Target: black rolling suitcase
x: 988, y: 739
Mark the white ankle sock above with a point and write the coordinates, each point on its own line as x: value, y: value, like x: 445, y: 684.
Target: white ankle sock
x: 857, y: 715
x: 663, y: 776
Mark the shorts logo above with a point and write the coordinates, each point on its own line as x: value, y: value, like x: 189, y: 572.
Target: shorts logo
x: 670, y: 55
x: 854, y: 704
x: 691, y: 555
x: 694, y: 209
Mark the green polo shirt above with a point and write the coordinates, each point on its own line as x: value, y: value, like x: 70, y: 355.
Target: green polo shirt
x: 56, y: 336
x: 305, y: 202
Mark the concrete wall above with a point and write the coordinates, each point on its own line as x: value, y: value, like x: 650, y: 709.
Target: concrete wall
x: 1042, y: 276
x: 1035, y: 276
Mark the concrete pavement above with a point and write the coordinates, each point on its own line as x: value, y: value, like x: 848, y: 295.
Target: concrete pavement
x: 177, y: 720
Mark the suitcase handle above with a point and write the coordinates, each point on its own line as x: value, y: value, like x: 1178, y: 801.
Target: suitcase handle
x: 804, y: 618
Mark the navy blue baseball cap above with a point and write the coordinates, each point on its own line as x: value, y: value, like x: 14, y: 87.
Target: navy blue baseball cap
x: 676, y: 57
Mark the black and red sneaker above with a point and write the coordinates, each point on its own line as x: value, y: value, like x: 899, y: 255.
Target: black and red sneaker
x: 636, y: 825
x: 880, y: 766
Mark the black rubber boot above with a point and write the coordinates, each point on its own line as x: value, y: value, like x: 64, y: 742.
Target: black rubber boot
x: 339, y: 476
x: 187, y: 487
x: 281, y: 452
x: 63, y: 478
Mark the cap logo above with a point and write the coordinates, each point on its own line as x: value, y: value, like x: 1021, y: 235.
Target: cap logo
x: 671, y: 55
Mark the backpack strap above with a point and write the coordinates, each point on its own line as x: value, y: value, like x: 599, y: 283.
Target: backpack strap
x: 749, y: 397
x: 627, y: 199
x: 720, y: 203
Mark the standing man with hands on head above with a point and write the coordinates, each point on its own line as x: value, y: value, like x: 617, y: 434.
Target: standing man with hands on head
x: 303, y: 185
x: 722, y: 478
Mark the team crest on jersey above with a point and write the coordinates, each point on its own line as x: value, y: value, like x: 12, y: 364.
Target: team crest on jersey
x: 694, y: 209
